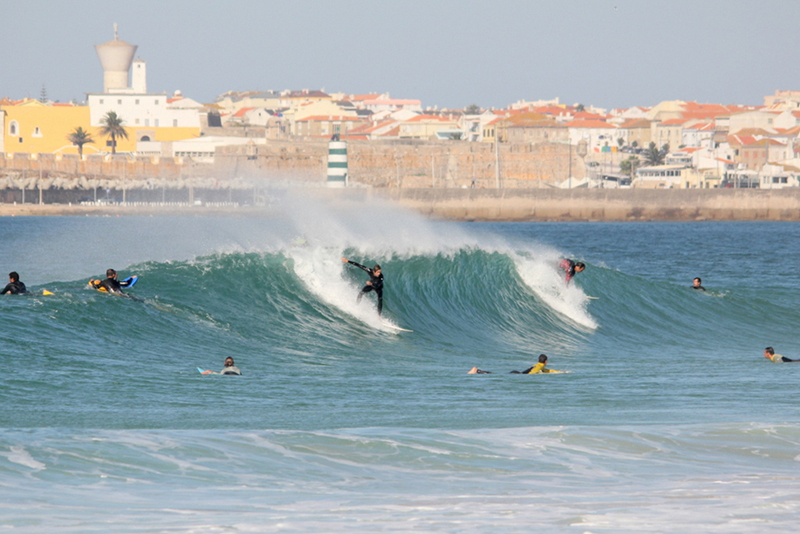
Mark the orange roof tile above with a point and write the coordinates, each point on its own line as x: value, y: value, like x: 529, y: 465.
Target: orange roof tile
x: 420, y: 118
x: 589, y: 124
x: 241, y: 112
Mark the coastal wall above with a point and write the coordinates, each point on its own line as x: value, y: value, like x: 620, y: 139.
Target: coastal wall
x: 410, y: 164
x: 390, y: 164
x: 598, y: 204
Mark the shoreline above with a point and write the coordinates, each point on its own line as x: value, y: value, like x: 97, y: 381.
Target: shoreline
x: 498, y: 205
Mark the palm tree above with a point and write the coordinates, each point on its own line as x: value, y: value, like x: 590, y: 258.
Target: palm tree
x: 80, y: 137
x: 112, y: 126
x: 653, y: 156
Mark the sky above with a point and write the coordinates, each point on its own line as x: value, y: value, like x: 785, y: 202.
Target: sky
x: 446, y: 53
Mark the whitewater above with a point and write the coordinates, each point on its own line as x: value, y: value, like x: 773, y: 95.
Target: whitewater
x: 669, y: 420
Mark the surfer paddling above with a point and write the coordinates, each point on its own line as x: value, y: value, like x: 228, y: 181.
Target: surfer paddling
x: 572, y: 268
x: 375, y: 282
x: 537, y: 369
x: 769, y: 353
x: 111, y: 284
x: 14, y: 286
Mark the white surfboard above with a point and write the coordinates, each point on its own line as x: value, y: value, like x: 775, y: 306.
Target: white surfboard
x: 390, y: 325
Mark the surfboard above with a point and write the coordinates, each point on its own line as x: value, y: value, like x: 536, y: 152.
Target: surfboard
x: 132, y: 280
x: 46, y: 292
x: 390, y: 325
x: 592, y: 298
x: 205, y: 372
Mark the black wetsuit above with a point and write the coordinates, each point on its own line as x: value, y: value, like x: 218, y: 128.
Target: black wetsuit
x: 701, y: 288
x: 112, y: 285
x: 376, y: 285
x: 15, y: 288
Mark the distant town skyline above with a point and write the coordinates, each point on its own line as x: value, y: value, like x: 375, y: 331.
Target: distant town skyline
x: 610, y: 54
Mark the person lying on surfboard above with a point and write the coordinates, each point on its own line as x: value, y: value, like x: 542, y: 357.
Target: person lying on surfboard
x: 539, y: 368
x: 769, y: 353
x: 375, y: 282
x: 229, y: 369
x: 572, y: 268
x: 110, y: 284
x: 14, y: 286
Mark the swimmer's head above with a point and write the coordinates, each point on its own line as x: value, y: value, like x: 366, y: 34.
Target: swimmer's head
x: 376, y: 268
x: 697, y: 281
x: 543, y: 358
x: 770, y: 351
x: 111, y: 273
x: 580, y: 266
x: 13, y: 276
x: 228, y: 362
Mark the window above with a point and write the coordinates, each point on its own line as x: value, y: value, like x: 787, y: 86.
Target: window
x: 156, y: 102
x: 137, y: 121
x: 37, y: 132
x: 101, y: 100
x: 137, y: 101
x: 156, y: 122
x: 174, y: 122
x: 147, y: 122
x: 119, y: 101
x: 13, y: 128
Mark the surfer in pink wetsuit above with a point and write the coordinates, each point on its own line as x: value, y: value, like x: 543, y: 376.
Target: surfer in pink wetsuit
x: 572, y: 268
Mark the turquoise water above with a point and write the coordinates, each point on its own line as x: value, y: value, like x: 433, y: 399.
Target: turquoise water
x: 669, y: 420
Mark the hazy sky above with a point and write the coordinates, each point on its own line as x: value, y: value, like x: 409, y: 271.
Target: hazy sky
x: 448, y: 53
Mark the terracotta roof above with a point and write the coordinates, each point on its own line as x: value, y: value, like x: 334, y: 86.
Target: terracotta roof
x: 551, y: 110
x: 358, y: 98
x: 589, y: 124
x: 394, y: 132
x: 701, y: 126
x: 589, y: 116
x: 753, y: 131
x: 636, y: 123
x: 740, y: 140
x: 420, y: 118
x: 527, y: 116
x: 241, y: 112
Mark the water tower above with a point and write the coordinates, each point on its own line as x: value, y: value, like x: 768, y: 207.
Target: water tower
x: 116, y: 57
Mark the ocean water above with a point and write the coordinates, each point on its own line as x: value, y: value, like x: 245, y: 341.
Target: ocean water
x: 669, y: 419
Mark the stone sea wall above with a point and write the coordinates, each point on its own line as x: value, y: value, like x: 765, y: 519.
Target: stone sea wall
x: 596, y: 204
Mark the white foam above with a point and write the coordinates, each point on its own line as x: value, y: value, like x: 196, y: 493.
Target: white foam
x: 19, y: 455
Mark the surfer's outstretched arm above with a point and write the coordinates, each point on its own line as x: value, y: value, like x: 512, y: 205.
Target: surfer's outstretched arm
x: 367, y: 269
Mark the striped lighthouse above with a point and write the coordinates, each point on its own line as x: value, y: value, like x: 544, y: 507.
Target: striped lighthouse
x: 337, y: 162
